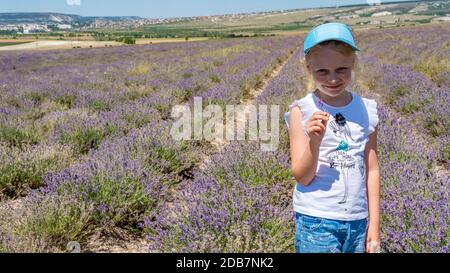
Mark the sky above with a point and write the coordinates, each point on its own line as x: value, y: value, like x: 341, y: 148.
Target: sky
x: 165, y: 8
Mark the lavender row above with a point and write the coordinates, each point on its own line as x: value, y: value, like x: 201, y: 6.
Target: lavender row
x: 238, y: 203
x: 72, y: 124
x: 127, y: 175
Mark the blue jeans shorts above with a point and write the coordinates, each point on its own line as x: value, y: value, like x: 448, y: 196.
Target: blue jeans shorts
x: 320, y: 235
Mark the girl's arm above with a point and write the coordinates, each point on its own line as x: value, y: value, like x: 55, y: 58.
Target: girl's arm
x: 373, y: 189
x: 304, y: 150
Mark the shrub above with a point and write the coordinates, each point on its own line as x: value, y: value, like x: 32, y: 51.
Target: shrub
x: 397, y: 93
x: 46, y: 224
x: 84, y: 140
x: 127, y: 40
x: 214, y: 78
x: 119, y: 201
x: 16, y: 177
x: 182, y: 95
x: 16, y: 137
x: 25, y: 170
x: 67, y: 100
x: 37, y: 97
x: 99, y: 105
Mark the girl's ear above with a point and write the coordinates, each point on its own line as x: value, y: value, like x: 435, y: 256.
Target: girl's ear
x: 356, y: 63
x: 305, y: 65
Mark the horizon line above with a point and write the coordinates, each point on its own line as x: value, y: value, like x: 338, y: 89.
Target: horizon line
x: 225, y: 14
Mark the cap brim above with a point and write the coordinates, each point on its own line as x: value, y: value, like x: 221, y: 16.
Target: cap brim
x: 335, y: 39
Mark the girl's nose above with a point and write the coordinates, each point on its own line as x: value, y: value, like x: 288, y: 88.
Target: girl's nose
x: 333, y: 77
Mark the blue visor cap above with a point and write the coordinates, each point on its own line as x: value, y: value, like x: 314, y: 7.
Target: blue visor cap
x: 326, y: 32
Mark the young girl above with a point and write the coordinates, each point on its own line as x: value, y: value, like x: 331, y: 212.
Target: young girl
x: 333, y: 141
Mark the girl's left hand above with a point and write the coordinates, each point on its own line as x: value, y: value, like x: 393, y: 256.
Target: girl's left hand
x: 373, y: 239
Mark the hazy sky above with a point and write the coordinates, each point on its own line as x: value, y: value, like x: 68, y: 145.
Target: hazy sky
x: 163, y: 9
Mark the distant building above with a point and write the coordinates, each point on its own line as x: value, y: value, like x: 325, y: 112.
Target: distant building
x: 9, y: 27
x: 32, y: 28
x: 375, y: 22
x: 64, y: 26
x: 329, y: 18
x: 349, y: 16
x: 441, y: 19
x: 419, y: 8
x: 382, y: 13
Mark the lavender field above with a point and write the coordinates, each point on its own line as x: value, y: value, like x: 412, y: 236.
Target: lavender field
x: 86, y: 150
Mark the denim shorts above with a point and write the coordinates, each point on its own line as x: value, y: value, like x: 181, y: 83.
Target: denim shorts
x: 320, y: 235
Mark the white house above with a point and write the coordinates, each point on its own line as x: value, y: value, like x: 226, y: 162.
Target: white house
x: 382, y: 13
x: 349, y: 16
x: 441, y: 19
x: 64, y: 26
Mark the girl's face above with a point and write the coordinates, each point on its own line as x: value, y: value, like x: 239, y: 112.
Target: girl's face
x: 331, y: 70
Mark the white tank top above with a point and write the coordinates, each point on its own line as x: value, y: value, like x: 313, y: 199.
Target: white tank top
x: 338, y: 190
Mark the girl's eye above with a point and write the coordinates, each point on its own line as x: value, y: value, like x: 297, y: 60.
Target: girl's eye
x: 342, y: 69
x: 322, y: 71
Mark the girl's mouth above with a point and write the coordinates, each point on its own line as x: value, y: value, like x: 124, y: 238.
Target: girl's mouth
x: 333, y: 86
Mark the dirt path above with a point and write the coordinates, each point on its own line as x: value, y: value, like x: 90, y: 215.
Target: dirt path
x: 145, y: 41
x: 16, y: 206
x: 52, y: 44
x: 68, y: 44
x: 220, y: 143
x: 119, y: 242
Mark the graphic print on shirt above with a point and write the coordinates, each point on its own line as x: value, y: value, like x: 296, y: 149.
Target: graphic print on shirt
x: 340, y: 129
x: 341, y: 158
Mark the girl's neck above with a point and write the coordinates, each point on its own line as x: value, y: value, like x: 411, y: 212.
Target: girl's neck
x: 342, y: 100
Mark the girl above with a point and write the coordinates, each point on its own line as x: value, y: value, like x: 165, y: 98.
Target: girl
x: 333, y: 142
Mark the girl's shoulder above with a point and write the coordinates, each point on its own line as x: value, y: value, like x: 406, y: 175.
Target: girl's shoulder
x: 372, y: 111
x: 369, y: 102
x: 303, y: 102
x: 305, y: 105
x: 371, y: 106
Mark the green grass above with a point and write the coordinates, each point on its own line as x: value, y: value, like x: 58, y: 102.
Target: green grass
x: 432, y: 68
x: 182, y: 95
x: 190, y: 29
x: 17, y: 176
x: 86, y: 139
x: 393, y: 96
x: 67, y: 100
x: 13, y: 43
x: 16, y: 137
x: 99, y: 105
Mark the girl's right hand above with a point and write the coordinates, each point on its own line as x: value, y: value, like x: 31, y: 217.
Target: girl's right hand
x: 316, y: 126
